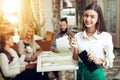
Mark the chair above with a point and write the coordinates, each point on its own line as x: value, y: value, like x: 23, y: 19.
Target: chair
x: 49, y: 36
x: 46, y: 42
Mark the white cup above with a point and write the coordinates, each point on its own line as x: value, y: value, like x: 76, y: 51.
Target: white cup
x: 16, y: 39
x: 29, y: 49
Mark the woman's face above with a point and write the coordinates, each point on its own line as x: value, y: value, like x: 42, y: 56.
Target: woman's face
x: 90, y: 18
x: 10, y: 41
x: 29, y: 33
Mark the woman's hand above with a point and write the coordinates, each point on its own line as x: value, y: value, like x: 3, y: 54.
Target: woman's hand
x: 93, y: 58
x: 72, y: 42
x: 25, y: 52
x: 74, y: 47
x: 36, y: 54
x: 22, y: 69
x: 28, y: 59
x: 34, y: 58
x: 31, y: 66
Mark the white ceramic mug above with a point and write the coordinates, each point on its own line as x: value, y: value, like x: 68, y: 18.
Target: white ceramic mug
x: 29, y: 49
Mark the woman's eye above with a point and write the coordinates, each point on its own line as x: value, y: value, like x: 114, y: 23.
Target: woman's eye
x: 85, y: 15
x: 92, y: 16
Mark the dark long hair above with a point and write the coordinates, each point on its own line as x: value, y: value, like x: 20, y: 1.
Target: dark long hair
x: 100, y: 25
x: 3, y: 38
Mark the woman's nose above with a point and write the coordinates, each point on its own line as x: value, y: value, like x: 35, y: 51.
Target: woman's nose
x: 88, y: 18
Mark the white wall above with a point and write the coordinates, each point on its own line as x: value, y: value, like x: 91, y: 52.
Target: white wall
x: 47, y: 5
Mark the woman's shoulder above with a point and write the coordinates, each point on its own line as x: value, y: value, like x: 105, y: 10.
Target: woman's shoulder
x: 2, y: 56
x: 11, y: 50
x: 20, y: 42
x: 106, y: 34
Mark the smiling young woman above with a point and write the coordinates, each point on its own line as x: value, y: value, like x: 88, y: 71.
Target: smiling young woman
x: 96, y: 41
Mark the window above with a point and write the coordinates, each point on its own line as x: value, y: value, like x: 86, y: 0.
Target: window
x: 68, y: 10
x: 111, y: 15
x: 10, y: 10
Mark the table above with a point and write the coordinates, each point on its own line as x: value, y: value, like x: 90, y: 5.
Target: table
x: 50, y: 61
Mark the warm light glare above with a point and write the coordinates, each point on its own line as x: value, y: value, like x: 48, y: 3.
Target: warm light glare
x: 10, y: 10
x: 13, y: 19
x: 10, y: 6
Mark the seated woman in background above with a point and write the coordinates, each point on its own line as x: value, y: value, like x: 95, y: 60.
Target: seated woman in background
x: 10, y: 63
x: 27, y: 41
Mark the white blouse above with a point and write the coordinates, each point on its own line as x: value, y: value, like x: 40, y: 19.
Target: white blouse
x: 12, y: 69
x: 21, y: 49
x: 100, y: 45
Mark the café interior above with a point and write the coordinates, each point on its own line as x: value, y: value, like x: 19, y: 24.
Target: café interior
x: 44, y: 16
